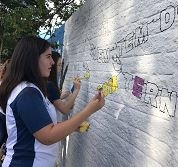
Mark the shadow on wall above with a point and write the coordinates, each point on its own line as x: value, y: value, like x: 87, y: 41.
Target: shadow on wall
x: 157, y: 89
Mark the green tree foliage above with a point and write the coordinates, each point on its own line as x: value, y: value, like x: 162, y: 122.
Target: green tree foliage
x: 24, y: 17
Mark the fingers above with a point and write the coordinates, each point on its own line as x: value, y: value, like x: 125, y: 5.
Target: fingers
x: 77, y: 83
x: 77, y: 79
x: 99, y: 95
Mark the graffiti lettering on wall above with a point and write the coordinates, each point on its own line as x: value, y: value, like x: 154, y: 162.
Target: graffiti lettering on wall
x: 82, y: 69
x: 138, y: 86
x: 167, y: 17
x: 162, y: 99
x: 137, y: 37
x: 109, y: 87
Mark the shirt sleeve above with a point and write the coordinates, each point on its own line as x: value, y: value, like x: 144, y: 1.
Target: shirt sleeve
x: 31, y: 109
x: 3, y: 133
x: 52, y: 91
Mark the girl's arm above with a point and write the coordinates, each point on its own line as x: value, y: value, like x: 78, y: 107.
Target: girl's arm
x: 65, y: 105
x: 51, y: 133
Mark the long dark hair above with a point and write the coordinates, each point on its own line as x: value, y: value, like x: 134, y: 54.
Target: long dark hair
x: 54, y: 72
x: 4, y: 68
x: 24, y: 67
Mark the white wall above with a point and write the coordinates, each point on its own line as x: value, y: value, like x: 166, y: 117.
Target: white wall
x: 130, y: 48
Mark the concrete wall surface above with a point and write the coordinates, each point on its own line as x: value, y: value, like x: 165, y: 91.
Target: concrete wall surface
x: 130, y: 49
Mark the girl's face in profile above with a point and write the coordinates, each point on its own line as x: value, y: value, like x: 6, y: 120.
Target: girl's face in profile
x: 45, y: 63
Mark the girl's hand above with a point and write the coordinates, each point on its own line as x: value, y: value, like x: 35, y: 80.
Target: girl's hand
x: 97, y: 102
x: 77, y: 83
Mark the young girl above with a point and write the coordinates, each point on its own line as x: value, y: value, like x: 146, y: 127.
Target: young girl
x: 53, y: 91
x: 33, y: 131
